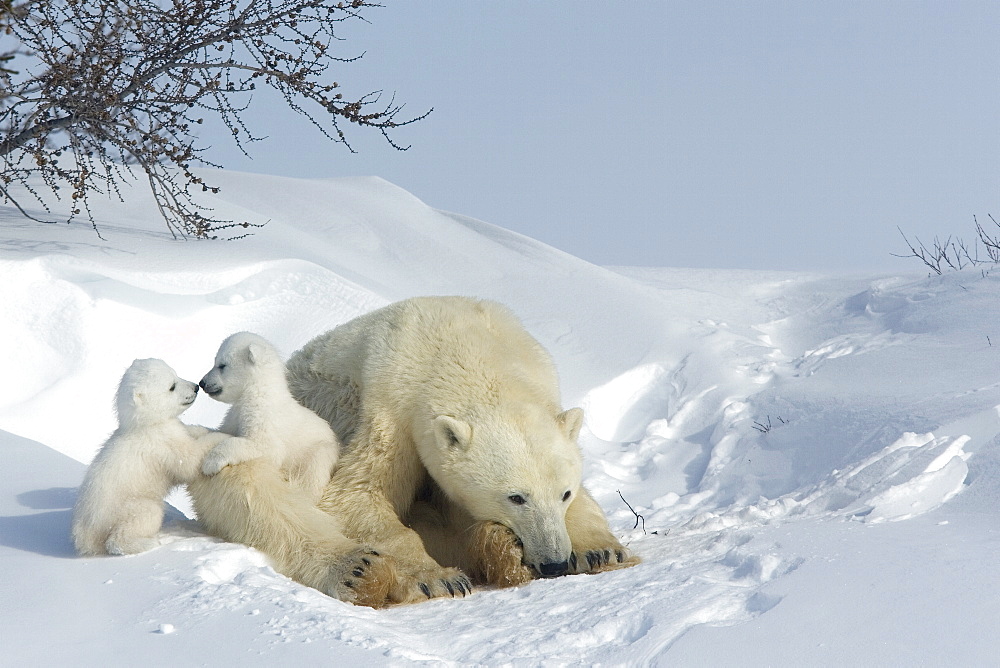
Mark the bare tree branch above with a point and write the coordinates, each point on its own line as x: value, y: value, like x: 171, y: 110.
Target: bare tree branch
x: 991, y: 243
x: 954, y: 253
x: 931, y: 258
x: 119, y: 84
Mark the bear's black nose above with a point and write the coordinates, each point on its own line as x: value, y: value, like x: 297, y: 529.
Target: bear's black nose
x: 201, y: 384
x: 554, y: 569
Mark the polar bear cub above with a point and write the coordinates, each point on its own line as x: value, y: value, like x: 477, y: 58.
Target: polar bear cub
x: 265, y: 420
x: 119, y: 508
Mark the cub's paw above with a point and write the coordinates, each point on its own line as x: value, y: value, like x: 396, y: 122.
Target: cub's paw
x: 495, y: 556
x: 600, y: 559
x: 119, y: 545
x: 363, y: 577
x: 196, y: 430
x: 214, y: 462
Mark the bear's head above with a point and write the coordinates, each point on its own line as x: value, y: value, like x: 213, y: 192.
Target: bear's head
x: 519, y: 467
x: 244, y: 360
x: 150, y: 390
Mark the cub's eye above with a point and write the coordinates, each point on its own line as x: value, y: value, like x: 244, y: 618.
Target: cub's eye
x: 516, y: 499
x: 221, y: 367
x: 173, y: 387
x: 566, y: 496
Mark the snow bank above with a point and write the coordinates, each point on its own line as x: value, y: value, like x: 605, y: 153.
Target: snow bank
x: 750, y: 419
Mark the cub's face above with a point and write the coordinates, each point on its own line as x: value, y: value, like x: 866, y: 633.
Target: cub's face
x: 151, y: 388
x: 238, y: 364
x: 523, y: 476
x: 227, y: 379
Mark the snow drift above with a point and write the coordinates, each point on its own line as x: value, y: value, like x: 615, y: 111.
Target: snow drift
x: 785, y: 451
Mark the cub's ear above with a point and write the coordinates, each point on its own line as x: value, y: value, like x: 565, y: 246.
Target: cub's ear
x: 138, y: 397
x: 570, y: 422
x: 452, y: 433
x: 254, y: 353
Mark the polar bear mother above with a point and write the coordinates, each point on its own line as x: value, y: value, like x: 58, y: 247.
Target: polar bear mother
x: 458, y: 458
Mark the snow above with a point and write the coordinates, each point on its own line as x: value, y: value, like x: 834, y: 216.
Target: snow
x: 812, y: 460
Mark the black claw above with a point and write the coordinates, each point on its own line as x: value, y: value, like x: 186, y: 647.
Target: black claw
x: 373, y: 552
x: 621, y: 556
x: 468, y: 584
x: 424, y: 588
x: 463, y: 587
x: 607, y: 556
x: 348, y: 584
x: 365, y: 561
x: 358, y: 572
x: 591, y: 559
x: 572, y: 560
x: 447, y: 585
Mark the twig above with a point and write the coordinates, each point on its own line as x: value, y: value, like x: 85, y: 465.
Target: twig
x: 761, y: 427
x: 638, y: 517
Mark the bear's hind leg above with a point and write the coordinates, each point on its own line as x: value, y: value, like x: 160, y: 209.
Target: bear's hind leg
x: 250, y: 503
x: 136, y: 531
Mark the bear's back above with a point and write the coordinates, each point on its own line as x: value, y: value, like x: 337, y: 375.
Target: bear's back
x: 449, y: 350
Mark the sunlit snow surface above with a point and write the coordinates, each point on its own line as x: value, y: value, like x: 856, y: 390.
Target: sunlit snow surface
x: 813, y: 459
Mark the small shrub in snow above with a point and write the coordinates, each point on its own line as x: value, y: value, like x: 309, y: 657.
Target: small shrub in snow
x: 953, y: 253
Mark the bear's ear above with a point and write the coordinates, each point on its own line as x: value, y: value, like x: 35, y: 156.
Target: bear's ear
x: 254, y: 353
x: 570, y: 422
x: 452, y: 433
x: 138, y: 397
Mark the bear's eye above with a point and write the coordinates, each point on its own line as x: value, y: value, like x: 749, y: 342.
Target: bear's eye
x: 516, y: 499
x: 173, y: 387
x: 221, y: 367
x: 566, y: 496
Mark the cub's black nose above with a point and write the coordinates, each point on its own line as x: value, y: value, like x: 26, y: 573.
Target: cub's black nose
x: 201, y: 384
x: 554, y: 569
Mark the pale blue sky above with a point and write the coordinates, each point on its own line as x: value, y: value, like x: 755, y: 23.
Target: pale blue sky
x: 774, y: 135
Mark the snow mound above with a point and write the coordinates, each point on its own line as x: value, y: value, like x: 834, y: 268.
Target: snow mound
x: 739, y: 426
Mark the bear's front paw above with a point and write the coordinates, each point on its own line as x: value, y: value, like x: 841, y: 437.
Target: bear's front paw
x: 496, y: 556
x: 444, y: 582
x: 363, y: 577
x: 422, y: 584
x: 601, y: 559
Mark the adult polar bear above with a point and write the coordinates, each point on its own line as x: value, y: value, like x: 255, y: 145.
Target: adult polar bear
x: 457, y: 454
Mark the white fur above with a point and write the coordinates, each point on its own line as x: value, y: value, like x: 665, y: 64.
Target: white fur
x: 119, y: 509
x: 265, y: 421
x: 447, y: 408
x: 455, y: 389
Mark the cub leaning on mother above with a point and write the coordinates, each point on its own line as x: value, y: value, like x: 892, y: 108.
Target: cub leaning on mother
x: 458, y: 462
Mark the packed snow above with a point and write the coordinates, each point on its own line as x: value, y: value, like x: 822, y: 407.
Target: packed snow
x: 808, y: 465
